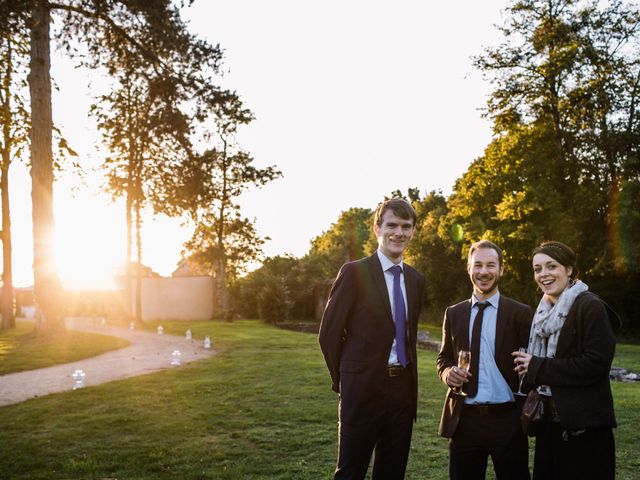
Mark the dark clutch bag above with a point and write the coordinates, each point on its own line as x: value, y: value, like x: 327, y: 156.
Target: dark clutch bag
x: 534, y: 412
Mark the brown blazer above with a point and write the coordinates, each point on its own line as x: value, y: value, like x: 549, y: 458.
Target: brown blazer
x: 512, y: 331
x: 357, y: 332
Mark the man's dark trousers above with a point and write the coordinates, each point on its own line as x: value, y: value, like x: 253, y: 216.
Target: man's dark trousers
x: 483, y: 433
x: 356, y: 335
x: 392, y: 424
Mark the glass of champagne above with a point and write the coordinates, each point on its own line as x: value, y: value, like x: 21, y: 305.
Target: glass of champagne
x: 464, y: 360
x: 521, y: 375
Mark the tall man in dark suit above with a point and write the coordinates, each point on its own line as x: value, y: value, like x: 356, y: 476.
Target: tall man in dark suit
x: 368, y: 339
x: 485, y: 422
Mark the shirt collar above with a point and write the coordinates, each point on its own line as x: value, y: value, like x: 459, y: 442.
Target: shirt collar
x: 493, y: 300
x: 386, y: 262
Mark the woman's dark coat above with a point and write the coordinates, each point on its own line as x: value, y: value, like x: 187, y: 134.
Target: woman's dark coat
x: 579, y: 373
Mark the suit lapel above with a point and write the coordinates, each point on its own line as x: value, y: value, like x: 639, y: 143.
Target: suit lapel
x: 501, y: 323
x: 378, y: 279
x: 464, y: 334
x: 411, y: 284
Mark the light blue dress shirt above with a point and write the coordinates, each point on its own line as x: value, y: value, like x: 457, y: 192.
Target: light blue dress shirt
x: 492, y: 387
x: 388, y: 278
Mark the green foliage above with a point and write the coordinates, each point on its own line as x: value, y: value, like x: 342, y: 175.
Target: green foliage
x: 626, y: 227
x: 242, y: 245
x: 345, y: 240
x: 507, y: 197
x: 162, y: 75
x: 288, y: 287
x: 145, y: 133
x: 14, y: 54
x: 142, y: 39
x: 436, y: 254
x: 208, y: 188
x: 270, y: 292
x: 563, y: 163
x: 566, y: 141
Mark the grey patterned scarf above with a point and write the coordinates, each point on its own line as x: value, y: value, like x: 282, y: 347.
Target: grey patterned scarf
x: 549, y: 319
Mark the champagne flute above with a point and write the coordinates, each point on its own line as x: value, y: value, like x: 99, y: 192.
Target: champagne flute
x: 521, y: 376
x: 464, y: 360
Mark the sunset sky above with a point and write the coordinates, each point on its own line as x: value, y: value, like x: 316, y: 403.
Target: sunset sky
x: 352, y: 101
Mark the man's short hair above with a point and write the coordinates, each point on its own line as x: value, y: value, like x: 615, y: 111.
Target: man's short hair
x: 485, y: 244
x: 400, y: 208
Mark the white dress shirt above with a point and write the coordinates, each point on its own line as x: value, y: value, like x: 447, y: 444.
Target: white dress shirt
x: 492, y: 387
x: 388, y: 278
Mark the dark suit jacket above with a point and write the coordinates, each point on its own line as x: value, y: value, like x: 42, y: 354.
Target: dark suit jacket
x: 579, y: 373
x: 512, y: 331
x: 357, y: 332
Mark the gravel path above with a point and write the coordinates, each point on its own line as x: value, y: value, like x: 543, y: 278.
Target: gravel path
x: 147, y: 353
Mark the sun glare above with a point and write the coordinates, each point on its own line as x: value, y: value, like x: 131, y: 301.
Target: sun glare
x: 90, y: 243
x: 83, y: 271
x: 90, y: 237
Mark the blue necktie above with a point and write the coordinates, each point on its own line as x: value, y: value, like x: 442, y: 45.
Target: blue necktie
x: 400, y: 316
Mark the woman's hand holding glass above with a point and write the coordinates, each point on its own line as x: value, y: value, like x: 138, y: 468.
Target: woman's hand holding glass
x: 521, y: 361
x: 521, y: 373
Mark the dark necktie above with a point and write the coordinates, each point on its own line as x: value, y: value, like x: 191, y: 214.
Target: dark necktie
x: 472, y: 386
x: 400, y: 316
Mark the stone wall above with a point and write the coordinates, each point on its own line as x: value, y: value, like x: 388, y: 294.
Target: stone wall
x: 177, y: 298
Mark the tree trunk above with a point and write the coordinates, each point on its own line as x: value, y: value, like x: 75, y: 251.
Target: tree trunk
x: 138, y: 266
x: 128, y: 288
x: 47, y: 289
x: 220, y: 294
x: 129, y: 214
x: 224, y: 293
x: 8, y: 318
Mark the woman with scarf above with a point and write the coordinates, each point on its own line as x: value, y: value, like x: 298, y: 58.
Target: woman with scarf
x: 571, y: 346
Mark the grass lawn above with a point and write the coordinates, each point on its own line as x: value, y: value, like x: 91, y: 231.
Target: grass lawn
x: 261, y: 409
x: 435, y: 331
x: 21, y: 350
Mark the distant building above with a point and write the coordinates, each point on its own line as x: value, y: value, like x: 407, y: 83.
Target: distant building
x: 188, y: 268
